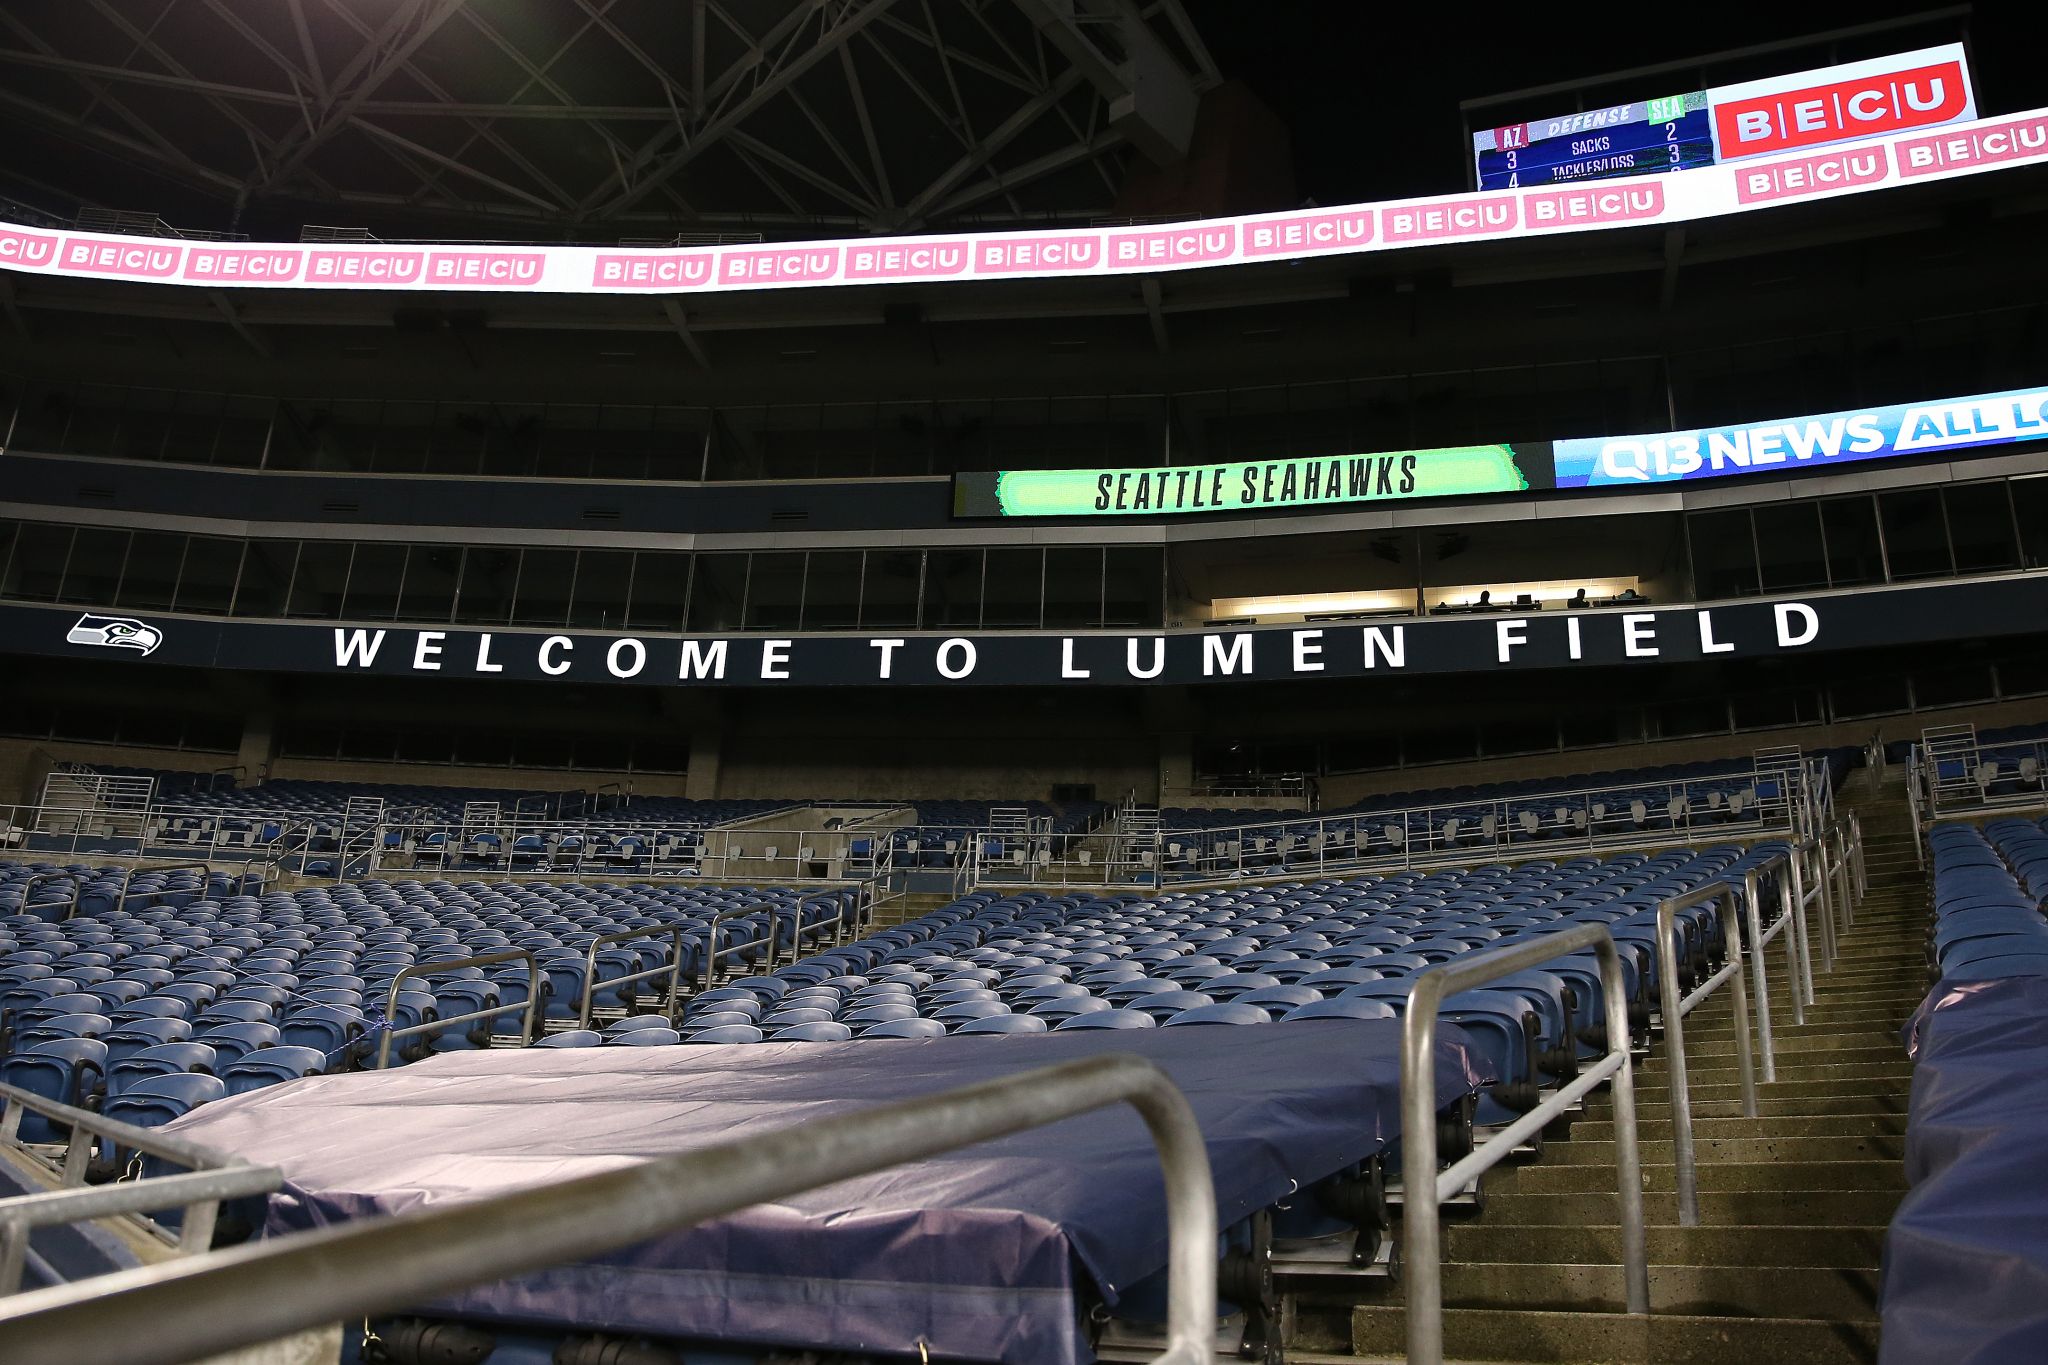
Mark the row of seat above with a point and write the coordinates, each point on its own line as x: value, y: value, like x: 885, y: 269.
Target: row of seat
x: 1989, y: 885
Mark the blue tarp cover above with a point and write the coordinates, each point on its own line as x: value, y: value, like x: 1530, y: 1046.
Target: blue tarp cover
x: 979, y: 1254
x: 1966, y: 1259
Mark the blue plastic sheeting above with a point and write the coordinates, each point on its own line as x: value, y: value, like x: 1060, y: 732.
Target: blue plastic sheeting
x: 1966, y: 1259
x: 984, y: 1254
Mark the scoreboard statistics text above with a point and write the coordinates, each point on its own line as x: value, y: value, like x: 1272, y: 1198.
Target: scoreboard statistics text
x: 1641, y: 138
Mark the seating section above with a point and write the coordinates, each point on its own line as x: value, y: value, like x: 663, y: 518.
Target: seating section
x: 1674, y: 801
x: 1988, y: 888
x: 256, y: 989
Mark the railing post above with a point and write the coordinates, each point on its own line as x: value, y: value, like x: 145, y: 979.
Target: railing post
x: 1673, y: 1007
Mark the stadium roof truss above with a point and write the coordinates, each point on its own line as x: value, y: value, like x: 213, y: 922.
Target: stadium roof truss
x: 599, y: 118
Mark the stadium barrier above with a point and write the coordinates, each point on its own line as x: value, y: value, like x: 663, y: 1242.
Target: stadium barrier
x: 221, y: 1301
x: 1675, y: 1005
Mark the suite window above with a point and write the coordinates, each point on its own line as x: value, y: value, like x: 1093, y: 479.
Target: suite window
x: 1915, y: 540
x: 604, y: 580
x: 1855, y: 554
x: 2030, y: 504
x: 35, y: 571
x: 149, y: 579
x: 432, y: 575
x: 952, y: 589
x: 489, y: 575
x: 1788, y: 543
x: 94, y: 568
x: 375, y: 576
x: 546, y: 578
x: 775, y: 591
x: 718, y: 589
x: 832, y: 590
x: 890, y: 587
x: 1980, y: 528
x: 1134, y: 586
x: 661, y: 589
x: 1011, y: 588
x: 207, y: 583
x: 1724, y: 560
x: 265, y: 587
x: 1073, y: 588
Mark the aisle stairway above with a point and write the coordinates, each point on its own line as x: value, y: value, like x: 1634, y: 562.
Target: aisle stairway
x: 1783, y: 1267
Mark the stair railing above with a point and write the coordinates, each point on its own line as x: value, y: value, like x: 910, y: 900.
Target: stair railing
x: 528, y: 1030
x: 673, y: 969
x: 1674, y: 1006
x: 1424, y: 1188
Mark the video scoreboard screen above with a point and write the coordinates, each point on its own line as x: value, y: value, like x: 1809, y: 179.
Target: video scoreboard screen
x: 1728, y: 123
x: 1642, y: 138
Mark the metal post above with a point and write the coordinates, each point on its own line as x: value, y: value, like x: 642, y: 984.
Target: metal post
x: 1424, y: 1188
x: 1674, y: 1008
x: 527, y: 1030
x: 259, y: 1291
x: 1758, y: 981
x: 1790, y: 907
x: 1801, y: 894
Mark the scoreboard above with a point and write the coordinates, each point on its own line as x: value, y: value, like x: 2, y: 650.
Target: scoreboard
x: 1641, y: 138
x: 1727, y: 123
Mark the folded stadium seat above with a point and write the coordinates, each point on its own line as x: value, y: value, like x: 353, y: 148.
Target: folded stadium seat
x: 1108, y: 1019
x: 643, y: 1037
x: 820, y: 1031
x: 582, y: 1037
x: 50, y: 1028
x: 636, y: 1022
x: 232, y: 1042
x: 165, y: 1059
x: 1342, y: 1008
x: 792, y: 1018
x: 1003, y: 1023
x: 68, y: 1070
x: 271, y: 1066
x: 155, y: 1100
x: 1233, y: 1013
x: 337, y: 1031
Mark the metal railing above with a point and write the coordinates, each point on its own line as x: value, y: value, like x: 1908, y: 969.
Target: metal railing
x: 71, y: 879
x: 128, y: 877
x: 204, y: 1305
x: 1673, y: 1006
x: 210, y: 1178
x: 675, y: 933
x: 713, y: 952
x: 527, y: 1030
x: 1424, y: 1188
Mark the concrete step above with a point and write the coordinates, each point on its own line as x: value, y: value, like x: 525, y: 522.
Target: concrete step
x: 1795, y: 1176
x: 1771, y: 1104
x: 1587, y: 1151
x: 1708, y: 1059
x: 1482, y: 1334
x: 1860, y: 1247
x: 1771, y: 1126
x: 1839, y: 1293
x: 1719, y: 1208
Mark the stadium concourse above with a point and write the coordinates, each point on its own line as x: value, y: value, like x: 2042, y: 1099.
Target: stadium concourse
x: 768, y: 682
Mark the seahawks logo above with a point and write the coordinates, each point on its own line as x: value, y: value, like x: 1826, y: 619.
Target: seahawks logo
x: 115, y: 632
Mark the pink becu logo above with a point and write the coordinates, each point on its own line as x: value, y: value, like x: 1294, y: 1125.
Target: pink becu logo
x: 1306, y: 232
x: 671, y: 271
x: 1593, y: 204
x: 1473, y: 216
x: 26, y: 248
x: 1173, y: 246
x: 2014, y: 140
x: 511, y: 268
x: 117, y: 258
x: 259, y: 265
x: 1810, y: 175
x: 1026, y: 255
x: 366, y: 267
x: 786, y: 265
x: 923, y: 260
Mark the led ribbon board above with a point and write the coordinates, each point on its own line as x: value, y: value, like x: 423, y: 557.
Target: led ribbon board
x: 1885, y: 157
x: 1884, y: 95
x: 1797, y: 443
x: 1396, y: 476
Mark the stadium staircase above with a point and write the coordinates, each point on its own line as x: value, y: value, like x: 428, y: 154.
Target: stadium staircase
x: 1783, y: 1266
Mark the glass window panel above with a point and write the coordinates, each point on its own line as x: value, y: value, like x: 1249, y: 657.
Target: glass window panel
x: 545, y: 578
x: 1073, y: 587
x: 832, y: 590
x: 374, y: 577
x: 661, y: 754
x: 489, y: 574
x: 1980, y: 528
x: 606, y: 753
x: 889, y: 589
x: 1134, y: 586
x: 661, y: 586
x: 2030, y: 502
x: 1874, y: 693
x: 1855, y: 555
x: 35, y: 571
x: 1915, y: 541
x: 604, y: 580
x: 1788, y: 547
x: 718, y: 589
x: 207, y: 583
x: 322, y: 573
x: 94, y: 568
x: 952, y: 588
x: 1363, y: 753
x: 267, y: 578
x: 1723, y: 555
x: 1012, y: 587
x: 1952, y: 686
x: 775, y: 591
x: 1440, y: 746
x: 1704, y: 716
x: 149, y: 580
x: 432, y: 574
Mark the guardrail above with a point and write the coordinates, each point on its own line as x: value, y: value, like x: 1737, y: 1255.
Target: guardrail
x: 712, y: 952
x: 1425, y: 1188
x: 210, y: 1178
x: 421, y: 969
x: 1674, y: 1006
x: 676, y: 933
x: 1791, y: 927
x: 204, y: 1305
x: 128, y: 877
x: 74, y: 880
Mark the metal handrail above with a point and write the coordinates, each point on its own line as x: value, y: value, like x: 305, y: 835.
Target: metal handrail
x: 76, y: 881
x: 213, y: 1177
x: 419, y: 969
x: 1760, y: 939
x: 183, y: 1310
x: 1675, y: 1007
x: 279, y: 852
x: 1425, y: 1188
x: 128, y: 877
x: 712, y: 952
x: 797, y: 929
x: 674, y: 969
